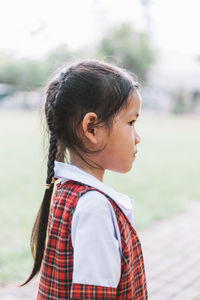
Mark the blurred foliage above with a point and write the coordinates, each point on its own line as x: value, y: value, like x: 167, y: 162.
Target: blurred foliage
x: 23, y: 73
x: 129, y: 49
x: 122, y: 45
x: 26, y: 73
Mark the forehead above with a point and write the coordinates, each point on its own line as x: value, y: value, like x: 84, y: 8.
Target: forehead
x: 133, y: 105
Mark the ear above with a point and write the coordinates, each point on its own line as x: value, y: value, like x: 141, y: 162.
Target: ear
x: 88, y: 131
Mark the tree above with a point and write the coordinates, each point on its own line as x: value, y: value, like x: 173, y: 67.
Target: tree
x: 129, y: 49
x: 123, y: 46
x: 26, y: 73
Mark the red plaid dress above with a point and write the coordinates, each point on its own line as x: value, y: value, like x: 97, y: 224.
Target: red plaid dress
x: 57, y: 268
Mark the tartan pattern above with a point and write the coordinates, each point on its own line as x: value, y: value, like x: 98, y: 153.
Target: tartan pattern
x: 86, y: 291
x: 132, y: 284
x: 57, y: 267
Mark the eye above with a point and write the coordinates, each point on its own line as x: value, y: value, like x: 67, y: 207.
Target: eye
x: 131, y: 122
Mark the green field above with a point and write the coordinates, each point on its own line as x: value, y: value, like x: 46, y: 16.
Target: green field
x: 164, y: 178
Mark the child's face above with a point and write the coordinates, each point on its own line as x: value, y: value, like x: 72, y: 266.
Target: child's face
x: 121, y: 148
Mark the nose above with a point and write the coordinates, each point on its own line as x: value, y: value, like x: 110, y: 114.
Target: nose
x: 137, y: 138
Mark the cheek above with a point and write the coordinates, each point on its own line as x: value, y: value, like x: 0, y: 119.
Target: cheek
x: 134, y: 134
x: 126, y: 136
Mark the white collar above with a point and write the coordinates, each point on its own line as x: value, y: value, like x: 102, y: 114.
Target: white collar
x: 67, y: 172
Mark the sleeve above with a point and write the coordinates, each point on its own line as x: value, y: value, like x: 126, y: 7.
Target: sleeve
x: 97, y: 258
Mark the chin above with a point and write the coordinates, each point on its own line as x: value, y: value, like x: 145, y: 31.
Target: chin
x: 122, y: 169
x: 128, y: 169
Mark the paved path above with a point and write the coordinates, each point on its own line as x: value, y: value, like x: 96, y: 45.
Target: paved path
x: 172, y: 260
x: 172, y: 257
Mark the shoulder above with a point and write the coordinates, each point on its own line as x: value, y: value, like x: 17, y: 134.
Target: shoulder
x: 94, y: 215
x: 93, y: 200
x: 93, y: 207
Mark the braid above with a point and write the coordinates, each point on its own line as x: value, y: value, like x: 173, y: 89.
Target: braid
x: 53, y: 140
x: 39, y: 232
x: 56, y: 150
x: 51, y: 157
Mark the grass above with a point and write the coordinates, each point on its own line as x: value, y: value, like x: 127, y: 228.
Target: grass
x: 163, y: 180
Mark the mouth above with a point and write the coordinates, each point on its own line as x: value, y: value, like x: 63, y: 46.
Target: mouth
x: 134, y: 154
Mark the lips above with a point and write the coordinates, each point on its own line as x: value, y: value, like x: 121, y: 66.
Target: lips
x: 134, y: 155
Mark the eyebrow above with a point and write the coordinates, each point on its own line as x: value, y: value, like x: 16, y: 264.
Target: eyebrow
x: 134, y: 113
x: 137, y: 115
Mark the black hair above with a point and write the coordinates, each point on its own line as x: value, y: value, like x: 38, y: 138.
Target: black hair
x: 86, y: 86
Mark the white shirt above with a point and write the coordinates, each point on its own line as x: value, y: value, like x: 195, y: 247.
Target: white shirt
x: 95, y: 233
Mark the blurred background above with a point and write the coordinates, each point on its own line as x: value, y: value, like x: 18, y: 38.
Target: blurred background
x: 158, y: 42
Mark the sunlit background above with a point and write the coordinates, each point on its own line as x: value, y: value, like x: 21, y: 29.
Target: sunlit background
x: 158, y: 42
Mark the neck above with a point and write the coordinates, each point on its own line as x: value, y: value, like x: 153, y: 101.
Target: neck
x: 94, y: 170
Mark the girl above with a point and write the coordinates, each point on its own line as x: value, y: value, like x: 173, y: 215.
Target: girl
x: 92, y: 250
